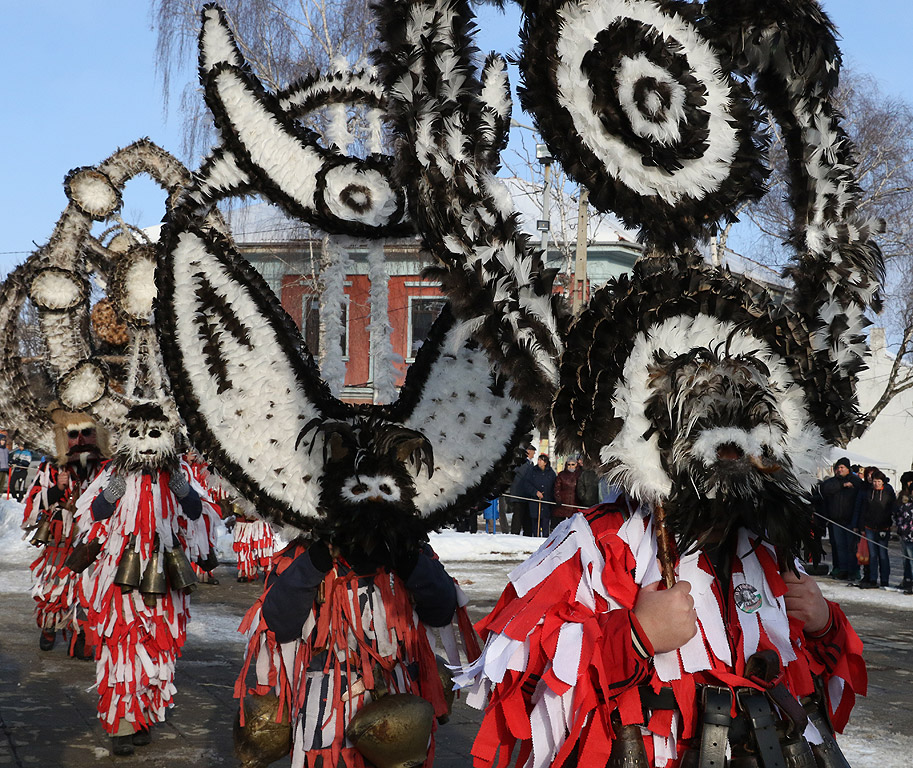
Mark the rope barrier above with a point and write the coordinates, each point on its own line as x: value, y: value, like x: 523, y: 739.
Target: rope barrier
x: 817, y: 514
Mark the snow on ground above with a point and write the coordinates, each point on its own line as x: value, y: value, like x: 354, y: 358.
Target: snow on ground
x: 13, y: 550
x: 450, y: 546
x: 210, y: 626
x: 870, y: 747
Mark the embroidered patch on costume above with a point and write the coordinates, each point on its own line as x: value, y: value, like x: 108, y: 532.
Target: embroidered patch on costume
x: 747, y: 598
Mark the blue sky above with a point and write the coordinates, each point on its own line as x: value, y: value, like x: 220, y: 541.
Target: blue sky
x: 79, y: 81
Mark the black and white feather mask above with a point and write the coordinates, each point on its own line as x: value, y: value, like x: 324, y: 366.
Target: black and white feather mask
x: 148, y: 441
x: 693, y: 388
x: 244, y: 381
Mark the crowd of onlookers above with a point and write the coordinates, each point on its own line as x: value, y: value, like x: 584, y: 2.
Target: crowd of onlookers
x: 858, y: 509
x: 861, y: 509
x: 539, y: 498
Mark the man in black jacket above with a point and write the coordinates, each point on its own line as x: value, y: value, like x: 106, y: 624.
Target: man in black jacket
x: 839, y: 493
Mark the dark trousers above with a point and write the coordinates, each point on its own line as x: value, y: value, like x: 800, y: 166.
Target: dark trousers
x: 879, y: 564
x: 845, y: 543
x: 502, y: 515
x: 17, y: 482
x: 836, y: 562
x: 520, y: 522
x: 540, y: 519
x: 906, y: 547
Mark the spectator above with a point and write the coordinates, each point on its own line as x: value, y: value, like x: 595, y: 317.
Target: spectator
x: 490, y: 514
x: 839, y: 493
x: 539, y: 484
x: 20, y: 461
x: 875, y: 515
x: 520, y: 521
x: 587, y: 485
x: 4, y: 464
x: 903, y: 519
x: 566, y: 491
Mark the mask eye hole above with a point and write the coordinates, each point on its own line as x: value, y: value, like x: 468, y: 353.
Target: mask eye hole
x: 88, y: 431
x: 73, y: 434
x: 155, y: 433
x: 134, y: 432
x: 359, y: 488
x: 385, y: 489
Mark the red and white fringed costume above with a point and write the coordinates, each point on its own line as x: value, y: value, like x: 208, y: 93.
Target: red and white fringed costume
x: 364, y: 624
x: 264, y: 652
x: 55, y: 590
x: 139, y: 643
x: 200, y: 472
x: 254, y: 543
x: 564, y: 649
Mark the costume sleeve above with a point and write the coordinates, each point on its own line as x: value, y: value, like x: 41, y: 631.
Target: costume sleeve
x: 290, y: 598
x: 191, y: 505
x: 432, y: 589
x: 102, y: 509
x: 836, y: 655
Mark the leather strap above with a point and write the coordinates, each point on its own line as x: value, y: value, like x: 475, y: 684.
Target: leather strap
x: 764, y: 669
x: 827, y: 753
x: 715, y: 733
x: 756, y: 706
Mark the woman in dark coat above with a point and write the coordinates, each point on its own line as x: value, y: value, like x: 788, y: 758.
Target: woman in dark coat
x: 539, y: 483
x: 875, y: 515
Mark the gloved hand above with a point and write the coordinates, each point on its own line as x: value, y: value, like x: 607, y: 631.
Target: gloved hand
x: 116, y: 487
x: 321, y: 557
x: 178, y: 483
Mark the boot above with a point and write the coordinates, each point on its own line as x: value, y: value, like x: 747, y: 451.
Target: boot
x: 46, y: 640
x: 908, y: 587
x: 79, y: 648
x: 142, y: 737
x: 122, y: 745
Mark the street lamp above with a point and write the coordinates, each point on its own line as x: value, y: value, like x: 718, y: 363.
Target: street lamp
x: 544, y: 224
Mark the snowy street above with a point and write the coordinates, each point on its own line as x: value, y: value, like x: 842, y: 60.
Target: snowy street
x: 47, y: 709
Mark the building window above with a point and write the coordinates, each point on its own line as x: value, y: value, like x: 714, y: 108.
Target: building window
x: 423, y: 311
x: 310, y: 325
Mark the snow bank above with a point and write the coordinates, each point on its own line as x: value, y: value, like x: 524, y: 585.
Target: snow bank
x: 451, y: 546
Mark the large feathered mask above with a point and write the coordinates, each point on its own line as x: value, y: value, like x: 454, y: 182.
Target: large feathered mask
x: 694, y: 388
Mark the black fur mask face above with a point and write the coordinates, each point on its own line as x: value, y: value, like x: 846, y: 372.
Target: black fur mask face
x: 368, y: 488
x: 721, y: 441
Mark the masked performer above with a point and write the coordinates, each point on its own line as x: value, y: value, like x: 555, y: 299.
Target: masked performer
x: 49, y: 511
x: 365, y: 483
x: 145, y: 512
x: 707, y: 398
x: 253, y: 541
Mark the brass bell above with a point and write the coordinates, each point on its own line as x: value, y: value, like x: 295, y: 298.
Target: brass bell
x: 127, y: 576
x: 83, y: 555
x: 628, y: 749
x: 393, y: 731
x: 209, y: 562
x: 180, y: 572
x: 154, y: 582
x: 262, y: 740
x: 447, y: 683
x: 43, y: 531
x: 797, y: 753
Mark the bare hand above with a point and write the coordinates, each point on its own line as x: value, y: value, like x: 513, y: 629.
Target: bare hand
x: 805, y: 602
x: 667, y: 616
x: 539, y: 494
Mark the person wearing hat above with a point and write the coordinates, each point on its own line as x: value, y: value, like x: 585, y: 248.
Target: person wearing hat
x: 840, y: 493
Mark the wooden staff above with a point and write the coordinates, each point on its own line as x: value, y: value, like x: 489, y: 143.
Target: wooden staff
x: 665, y: 546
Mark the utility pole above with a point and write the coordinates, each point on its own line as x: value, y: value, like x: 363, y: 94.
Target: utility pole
x: 579, y: 282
